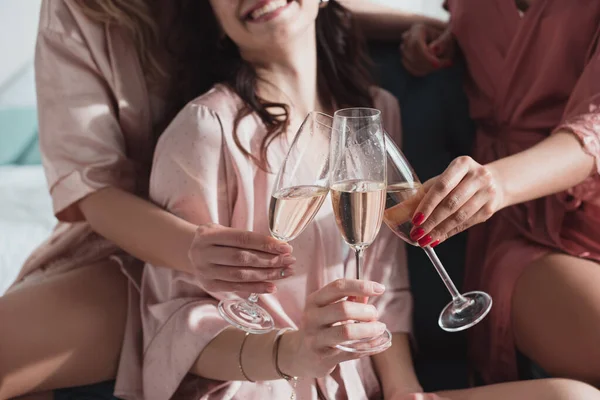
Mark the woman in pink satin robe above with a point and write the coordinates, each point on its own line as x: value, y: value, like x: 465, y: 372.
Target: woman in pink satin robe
x: 534, y: 90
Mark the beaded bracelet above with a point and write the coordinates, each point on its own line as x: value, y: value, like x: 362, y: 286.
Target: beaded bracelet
x: 276, y: 362
x: 240, y: 358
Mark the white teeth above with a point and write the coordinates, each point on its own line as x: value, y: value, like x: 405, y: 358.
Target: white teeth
x: 267, y: 8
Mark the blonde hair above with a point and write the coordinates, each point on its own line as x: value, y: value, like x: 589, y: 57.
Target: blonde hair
x: 138, y: 18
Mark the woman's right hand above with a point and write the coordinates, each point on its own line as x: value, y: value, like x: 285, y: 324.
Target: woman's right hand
x: 233, y: 260
x: 326, y: 322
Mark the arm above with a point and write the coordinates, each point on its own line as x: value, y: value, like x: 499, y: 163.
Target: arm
x: 140, y: 228
x: 468, y: 193
x: 306, y: 353
x: 395, y: 368
x: 520, y: 181
x: 92, y: 179
x: 386, y: 23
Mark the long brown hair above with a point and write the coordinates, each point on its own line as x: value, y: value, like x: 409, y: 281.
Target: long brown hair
x: 201, y: 57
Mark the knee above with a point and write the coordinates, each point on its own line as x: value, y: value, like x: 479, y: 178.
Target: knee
x: 567, y: 389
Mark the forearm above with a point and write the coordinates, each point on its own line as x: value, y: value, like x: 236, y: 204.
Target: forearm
x: 140, y: 228
x: 383, y: 22
x: 554, y: 165
x: 395, y: 368
x: 220, y: 359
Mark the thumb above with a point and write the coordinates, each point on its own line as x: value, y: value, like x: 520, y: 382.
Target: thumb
x: 441, y: 40
x: 440, y: 46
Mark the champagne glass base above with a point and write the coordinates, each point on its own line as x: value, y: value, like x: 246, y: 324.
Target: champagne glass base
x: 368, y: 346
x: 247, y: 316
x: 458, y: 317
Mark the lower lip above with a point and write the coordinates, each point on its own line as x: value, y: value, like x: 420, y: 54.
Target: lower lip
x: 271, y: 15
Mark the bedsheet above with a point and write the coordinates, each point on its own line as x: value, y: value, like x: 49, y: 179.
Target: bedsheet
x: 26, y: 217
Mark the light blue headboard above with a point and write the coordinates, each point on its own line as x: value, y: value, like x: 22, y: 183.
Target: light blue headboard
x: 18, y: 119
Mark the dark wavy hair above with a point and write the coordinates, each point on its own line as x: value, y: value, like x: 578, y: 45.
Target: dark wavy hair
x: 203, y: 57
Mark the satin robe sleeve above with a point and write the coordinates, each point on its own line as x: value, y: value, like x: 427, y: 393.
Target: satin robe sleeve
x: 82, y: 145
x: 188, y: 179
x: 582, y: 119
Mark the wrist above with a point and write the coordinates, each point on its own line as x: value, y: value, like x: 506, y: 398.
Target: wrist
x: 503, y: 193
x: 289, y: 359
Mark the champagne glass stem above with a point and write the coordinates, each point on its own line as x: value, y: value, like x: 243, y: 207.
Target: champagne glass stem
x: 253, y: 298
x: 457, y: 298
x: 358, y: 253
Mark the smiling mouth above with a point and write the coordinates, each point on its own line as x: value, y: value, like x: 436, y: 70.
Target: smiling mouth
x: 266, y: 9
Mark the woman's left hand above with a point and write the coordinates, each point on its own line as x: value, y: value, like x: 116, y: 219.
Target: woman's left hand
x: 465, y: 194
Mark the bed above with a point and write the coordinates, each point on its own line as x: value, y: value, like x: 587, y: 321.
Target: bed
x: 26, y: 217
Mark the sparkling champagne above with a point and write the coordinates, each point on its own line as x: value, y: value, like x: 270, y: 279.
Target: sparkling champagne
x: 292, y: 209
x: 358, y: 207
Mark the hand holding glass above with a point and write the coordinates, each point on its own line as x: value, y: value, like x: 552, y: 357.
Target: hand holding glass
x: 404, y: 193
x: 358, y: 182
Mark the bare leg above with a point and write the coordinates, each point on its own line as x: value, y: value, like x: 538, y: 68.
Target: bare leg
x: 65, y: 331
x: 556, y: 316
x: 546, y: 389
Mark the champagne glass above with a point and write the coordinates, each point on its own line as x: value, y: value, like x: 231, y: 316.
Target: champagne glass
x: 404, y: 193
x: 300, y: 189
x: 357, y: 184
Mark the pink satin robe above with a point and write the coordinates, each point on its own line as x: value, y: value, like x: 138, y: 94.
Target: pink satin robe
x: 200, y: 175
x: 529, y: 76
x: 96, y: 117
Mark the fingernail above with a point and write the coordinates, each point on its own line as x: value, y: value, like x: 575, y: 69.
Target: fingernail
x: 425, y: 241
x: 418, y: 219
x: 288, y: 260
x: 417, y: 233
x: 272, y: 289
x: 436, y: 50
x: 435, y: 63
x: 284, y: 248
x: 378, y: 288
x: 358, y: 299
x: 432, y: 245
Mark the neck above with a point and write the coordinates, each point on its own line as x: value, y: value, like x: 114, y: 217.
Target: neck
x: 290, y: 75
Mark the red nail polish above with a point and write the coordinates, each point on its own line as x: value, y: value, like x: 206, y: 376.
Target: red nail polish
x: 435, y: 64
x: 432, y: 245
x: 425, y: 241
x: 418, y: 219
x: 417, y: 233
